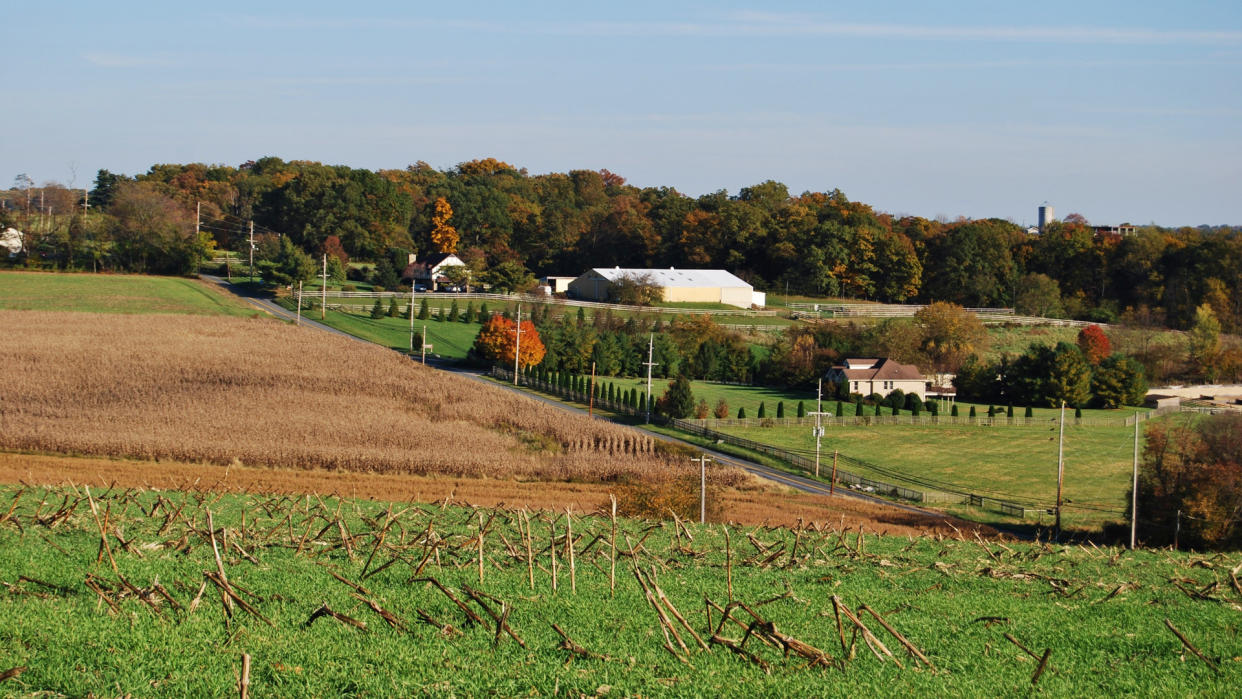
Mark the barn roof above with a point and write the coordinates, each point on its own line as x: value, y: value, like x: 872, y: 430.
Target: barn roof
x: 672, y: 277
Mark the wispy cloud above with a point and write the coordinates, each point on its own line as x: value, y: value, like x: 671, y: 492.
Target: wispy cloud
x: 105, y: 59
x: 770, y: 25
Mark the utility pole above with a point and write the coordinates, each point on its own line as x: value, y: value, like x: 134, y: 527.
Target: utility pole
x: 1134, y: 488
x: 702, y: 460
x: 1060, y: 467
x: 86, y: 204
x: 299, y: 322
x: 252, y: 251
x: 649, y: 364
x: 323, y: 304
x: 819, y: 426
x: 517, y: 344
x: 424, y: 343
x: 198, y: 217
x: 591, y: 400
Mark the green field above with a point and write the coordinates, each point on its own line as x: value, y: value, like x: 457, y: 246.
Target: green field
x: 119, y: 293
x: 1006, y: 462
x: 146, y: 616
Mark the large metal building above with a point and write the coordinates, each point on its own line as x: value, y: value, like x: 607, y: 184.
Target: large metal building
x: 679, y: 285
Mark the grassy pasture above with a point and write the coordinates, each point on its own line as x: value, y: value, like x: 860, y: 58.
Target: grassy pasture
x: 1008, y: 462
x: 120, y: 293
x: 78, y: 625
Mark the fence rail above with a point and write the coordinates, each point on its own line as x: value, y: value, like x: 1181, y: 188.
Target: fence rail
x: 538, y: 298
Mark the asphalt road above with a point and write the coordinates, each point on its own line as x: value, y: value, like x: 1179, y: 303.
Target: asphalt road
x: 802, y: 484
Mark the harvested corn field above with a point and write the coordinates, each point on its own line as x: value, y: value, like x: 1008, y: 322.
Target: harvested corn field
x: 226, y: 390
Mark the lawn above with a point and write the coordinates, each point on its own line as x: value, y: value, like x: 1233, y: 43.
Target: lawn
x: 115, y: 293
x: 332, y: 598
x: 1016, y: 463
x: 450, y: 340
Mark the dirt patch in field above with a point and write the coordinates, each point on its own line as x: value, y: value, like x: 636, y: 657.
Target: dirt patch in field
x: 770, y: 507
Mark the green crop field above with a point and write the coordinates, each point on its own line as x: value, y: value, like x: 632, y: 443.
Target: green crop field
x: 331, y: 598
x: 119, y: 293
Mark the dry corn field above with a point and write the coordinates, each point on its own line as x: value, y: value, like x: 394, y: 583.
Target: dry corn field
x: 225, y: 390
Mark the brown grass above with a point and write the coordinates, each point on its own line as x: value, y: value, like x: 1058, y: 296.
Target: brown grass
x: 259, y: 392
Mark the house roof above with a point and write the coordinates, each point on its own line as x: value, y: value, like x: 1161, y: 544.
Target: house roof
x: 672, y: 277
x: 883, y: 369
x: 423, y: 267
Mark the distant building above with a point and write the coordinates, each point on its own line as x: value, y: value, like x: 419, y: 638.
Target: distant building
x: 557, y: 285
x: 1047, y: 215
x: 878, y: 375
x: 678, y: 285
x: 1122, y: 230
x: 428, y: 273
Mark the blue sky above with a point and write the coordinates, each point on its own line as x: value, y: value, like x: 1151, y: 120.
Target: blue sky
x: 1121, y: 111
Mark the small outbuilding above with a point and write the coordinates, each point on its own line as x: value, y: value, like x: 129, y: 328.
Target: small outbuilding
x: 677, y: 285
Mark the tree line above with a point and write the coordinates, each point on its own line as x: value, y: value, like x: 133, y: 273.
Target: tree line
x: 494, y: 214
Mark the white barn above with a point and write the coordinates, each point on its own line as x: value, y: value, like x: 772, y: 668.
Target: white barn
x: 678, y: 285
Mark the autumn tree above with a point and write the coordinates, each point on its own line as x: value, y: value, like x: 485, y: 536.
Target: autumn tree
x: 498, y: 337
x: 1094, y: 344
x: 950, y: 334
x: 443, y: 236
x: 1204, y: 342
x: 1191, y: 480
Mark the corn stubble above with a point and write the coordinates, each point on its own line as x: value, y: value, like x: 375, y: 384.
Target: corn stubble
x: 264, y: 393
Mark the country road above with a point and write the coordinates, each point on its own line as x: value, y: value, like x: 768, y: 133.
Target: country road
x: 799, y: 483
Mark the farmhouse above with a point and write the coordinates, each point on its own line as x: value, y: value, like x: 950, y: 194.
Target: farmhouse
x: 883, y: 376
x: 430, y: 272
x: 678, y: 285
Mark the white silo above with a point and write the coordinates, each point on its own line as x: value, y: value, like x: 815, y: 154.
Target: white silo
x: 1046, y: 215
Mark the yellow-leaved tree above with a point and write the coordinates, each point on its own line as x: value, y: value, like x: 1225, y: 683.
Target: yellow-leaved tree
x: 443, y: 236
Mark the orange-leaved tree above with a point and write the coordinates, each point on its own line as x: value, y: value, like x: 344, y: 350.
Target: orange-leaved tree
x: 1094, y: 344
x: 443, y: 236
x: 498, y: 336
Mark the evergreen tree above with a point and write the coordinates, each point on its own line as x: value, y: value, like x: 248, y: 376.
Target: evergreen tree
x: 469, y: 317
x: 858, y: 409
x: 780, y: 409
x: 1029, y: 413
x: 896, y: 411
x: 801, y: 409
x: 972, y: 411
x: 678, y: 400
x: 933, y: 407
x: 424, y: 311
x: 484, y: 314
x: 409, y: 311
x: 1009, y: 413
x: 377, y: 311
x: 741, y: 412
x: 453, y: 312
x: 762, y: 410
x: 915, y: 409
x: 877, y: 409
x: 393, y: 311
x: 953, y: 410
x: 840, y: 409
x: 1077, y: 413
